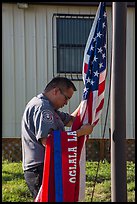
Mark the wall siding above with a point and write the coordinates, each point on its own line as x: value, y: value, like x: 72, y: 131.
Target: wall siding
x: 27, y: 63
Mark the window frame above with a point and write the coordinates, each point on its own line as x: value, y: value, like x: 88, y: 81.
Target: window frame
x: 72, y: 75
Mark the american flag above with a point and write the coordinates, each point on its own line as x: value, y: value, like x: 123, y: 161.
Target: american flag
x: 94, y: 69
x: 94, y: 77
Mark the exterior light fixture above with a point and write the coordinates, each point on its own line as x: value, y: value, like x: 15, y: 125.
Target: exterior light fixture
x: 22, y: 5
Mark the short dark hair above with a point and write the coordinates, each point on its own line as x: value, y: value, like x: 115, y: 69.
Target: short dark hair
x: 60, y: 82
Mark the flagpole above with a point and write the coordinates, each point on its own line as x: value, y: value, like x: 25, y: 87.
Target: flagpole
x: 118, y: 104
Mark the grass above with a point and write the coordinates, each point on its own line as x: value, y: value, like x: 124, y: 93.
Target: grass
x: 102, y: 191
x: 14, y: 188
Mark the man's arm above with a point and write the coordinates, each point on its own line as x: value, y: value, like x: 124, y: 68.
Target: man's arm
x: 44, y: 139
x: 69, y: 124
x: 84, y: 130
x: 73, y: 115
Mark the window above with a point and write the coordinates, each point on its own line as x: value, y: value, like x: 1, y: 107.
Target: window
x: 71, y: 35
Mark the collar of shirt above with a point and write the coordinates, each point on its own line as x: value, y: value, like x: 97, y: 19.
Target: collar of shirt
x: 42, y: 96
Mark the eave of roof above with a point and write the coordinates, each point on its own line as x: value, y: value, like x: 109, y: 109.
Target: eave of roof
x: 129, y: 4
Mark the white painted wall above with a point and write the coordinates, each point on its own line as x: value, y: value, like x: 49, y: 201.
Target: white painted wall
x: 27, y: 63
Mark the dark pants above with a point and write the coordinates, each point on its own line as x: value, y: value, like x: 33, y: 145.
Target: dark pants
x: 33, y: 179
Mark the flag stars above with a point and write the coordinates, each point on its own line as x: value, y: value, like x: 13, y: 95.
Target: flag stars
x: 99, y: 34
x: 105, y: 14
x: 100, y: 65
x: 96, y: 73
x: 92, y: 48
x: 95, y: 58
x: 104, y: 25
x: 85, y: 92
x: 88, y: 80
x: 94, y: 39
x: 100, y: 50
x: 103, y: 55
x: 92, y: 82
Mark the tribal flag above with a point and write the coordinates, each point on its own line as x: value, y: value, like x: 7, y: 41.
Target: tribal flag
x: 94, y: 76
x: 57, y: 174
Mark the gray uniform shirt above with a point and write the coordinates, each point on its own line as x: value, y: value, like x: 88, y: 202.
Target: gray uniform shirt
x: 38, y: 120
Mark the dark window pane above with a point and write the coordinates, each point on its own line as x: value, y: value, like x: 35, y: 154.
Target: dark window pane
x: 67, y: 57
x: 72, y: 35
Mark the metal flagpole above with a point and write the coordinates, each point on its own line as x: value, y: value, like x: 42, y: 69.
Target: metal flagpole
x: 118, y: 104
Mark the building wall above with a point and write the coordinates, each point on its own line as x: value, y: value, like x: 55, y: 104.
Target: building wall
x: 27, y: 63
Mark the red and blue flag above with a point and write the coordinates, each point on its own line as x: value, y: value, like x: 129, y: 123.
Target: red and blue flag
x: 59, y: 177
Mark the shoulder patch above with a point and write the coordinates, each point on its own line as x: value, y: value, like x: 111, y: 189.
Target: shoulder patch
x: 47, y: 116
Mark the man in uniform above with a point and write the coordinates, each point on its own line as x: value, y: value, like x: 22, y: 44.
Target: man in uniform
x: 40, y: 118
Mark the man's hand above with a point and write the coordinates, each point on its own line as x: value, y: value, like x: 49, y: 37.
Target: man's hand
x: 43, y: 141
x: 85, y: 130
